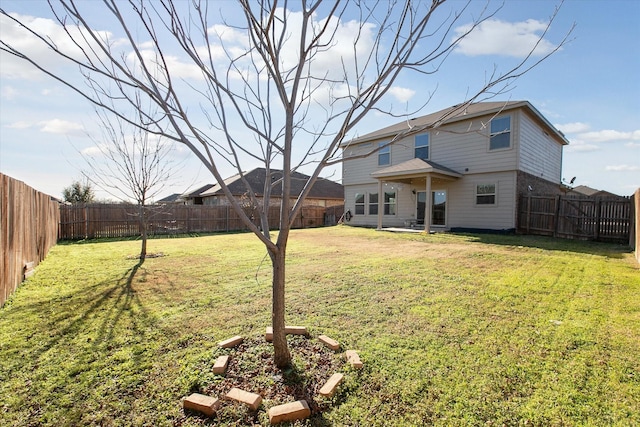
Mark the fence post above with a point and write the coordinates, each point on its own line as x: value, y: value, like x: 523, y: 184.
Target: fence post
x: 597, y: 231
x: 556, y: 218
x: 528, y: 213
x: 86, y: 222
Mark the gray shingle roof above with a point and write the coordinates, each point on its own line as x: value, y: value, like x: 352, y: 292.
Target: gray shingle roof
x: 454, y: 114
x: 322, y: 189
x: 415, y: 166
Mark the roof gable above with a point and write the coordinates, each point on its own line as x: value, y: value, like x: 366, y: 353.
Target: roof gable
x: 458, y: 113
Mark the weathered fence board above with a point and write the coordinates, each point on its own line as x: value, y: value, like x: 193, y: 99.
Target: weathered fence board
x: 576, y: 218
x: 28, y: 229
x: 121, y: 220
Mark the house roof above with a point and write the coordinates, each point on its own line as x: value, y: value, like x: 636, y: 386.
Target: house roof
x: 454, y: 114
x: 170, y: 199
x: 322, y: 189
x: 415, y: 167
x: 197, y: 192
x: 591, y: 192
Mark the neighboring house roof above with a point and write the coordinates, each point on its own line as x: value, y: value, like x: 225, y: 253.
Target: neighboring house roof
x: 197, y: 192
x: 454, y: 114
x: 415, y: 167
x: 591, y: 192
x: 322, y: 189
x: 170, y: 199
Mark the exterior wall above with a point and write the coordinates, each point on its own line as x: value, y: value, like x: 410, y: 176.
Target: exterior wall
x: 461, y: 211
x: 358, y: 171
x: 463, y: 147
x: 405, y: 209
x: 540, y: 154
x: 528, y: 183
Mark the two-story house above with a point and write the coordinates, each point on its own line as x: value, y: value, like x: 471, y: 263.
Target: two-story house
x: 463, y: 172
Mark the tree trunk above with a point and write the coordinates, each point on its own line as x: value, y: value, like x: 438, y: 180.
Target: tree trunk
x: 143, y: 232
x: 282, y: 357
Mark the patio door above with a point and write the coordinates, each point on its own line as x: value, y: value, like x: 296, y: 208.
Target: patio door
x: 438, y: 207
x: 422, y: 200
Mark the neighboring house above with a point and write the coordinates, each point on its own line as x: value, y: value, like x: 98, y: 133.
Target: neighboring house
x: 464, y: 172
x: 584, y: 191
x: 171, y: 199
x: 195, y: 197
x: 323, y: 193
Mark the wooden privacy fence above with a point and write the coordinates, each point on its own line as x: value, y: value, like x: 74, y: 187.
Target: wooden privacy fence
x: 121, y: 220
x: 28, y: 229
x: 606, y: 220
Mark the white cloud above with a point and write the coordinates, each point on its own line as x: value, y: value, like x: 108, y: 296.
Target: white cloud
x: 496, y: 37
x: 178, y: 69
x: 62, y: 127
x: 402, y: 94
x: 20, y: 125
x: 9, y: 93
x: 93, y: 151
x: 19, y: 38
x: 622, y: 168
x: 576, y: 127
x: 609, y: 135
x: 577, y: 145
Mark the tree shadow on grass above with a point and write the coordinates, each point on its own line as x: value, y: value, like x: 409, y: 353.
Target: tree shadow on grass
x: 95, y: 339
x: 94, y: 312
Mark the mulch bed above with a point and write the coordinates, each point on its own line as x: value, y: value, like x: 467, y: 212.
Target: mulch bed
x: 251, y: 368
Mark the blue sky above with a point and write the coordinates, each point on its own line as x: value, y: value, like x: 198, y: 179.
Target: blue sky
x: 590, y: 90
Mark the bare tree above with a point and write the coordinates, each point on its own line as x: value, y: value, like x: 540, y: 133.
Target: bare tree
x: 130, y: 164
x: 277, y: 84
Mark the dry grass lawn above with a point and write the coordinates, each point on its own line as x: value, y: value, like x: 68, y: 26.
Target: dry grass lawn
x: 453, y: 329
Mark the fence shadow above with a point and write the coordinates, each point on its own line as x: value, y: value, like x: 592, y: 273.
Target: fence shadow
x: 548, y: 243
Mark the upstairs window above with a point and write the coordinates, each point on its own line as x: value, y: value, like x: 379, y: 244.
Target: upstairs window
x: 384, y: 155
x: 422, y: 146
x: 359, y: 204
x: 500, y: 133
x: 485, y: 194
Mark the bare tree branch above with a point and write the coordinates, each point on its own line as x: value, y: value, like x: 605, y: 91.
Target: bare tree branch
x: 273, y: 85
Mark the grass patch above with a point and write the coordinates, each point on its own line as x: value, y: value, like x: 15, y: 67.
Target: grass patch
x: 453, y: 329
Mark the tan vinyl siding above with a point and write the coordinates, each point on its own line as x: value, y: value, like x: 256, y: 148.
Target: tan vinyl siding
x: 404, y: 209
x: 463, y: 211
x: 358, y: 171
x: 465, y: 146
x: 540, y: 154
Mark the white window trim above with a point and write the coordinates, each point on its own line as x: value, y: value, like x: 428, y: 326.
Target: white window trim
x: 415, y: 146
x: 495, y: 195
x: 363, y: 204
x: 384, y: 204
x: 380, y: 152
x: 489, y: 149
x: 368, y: 211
